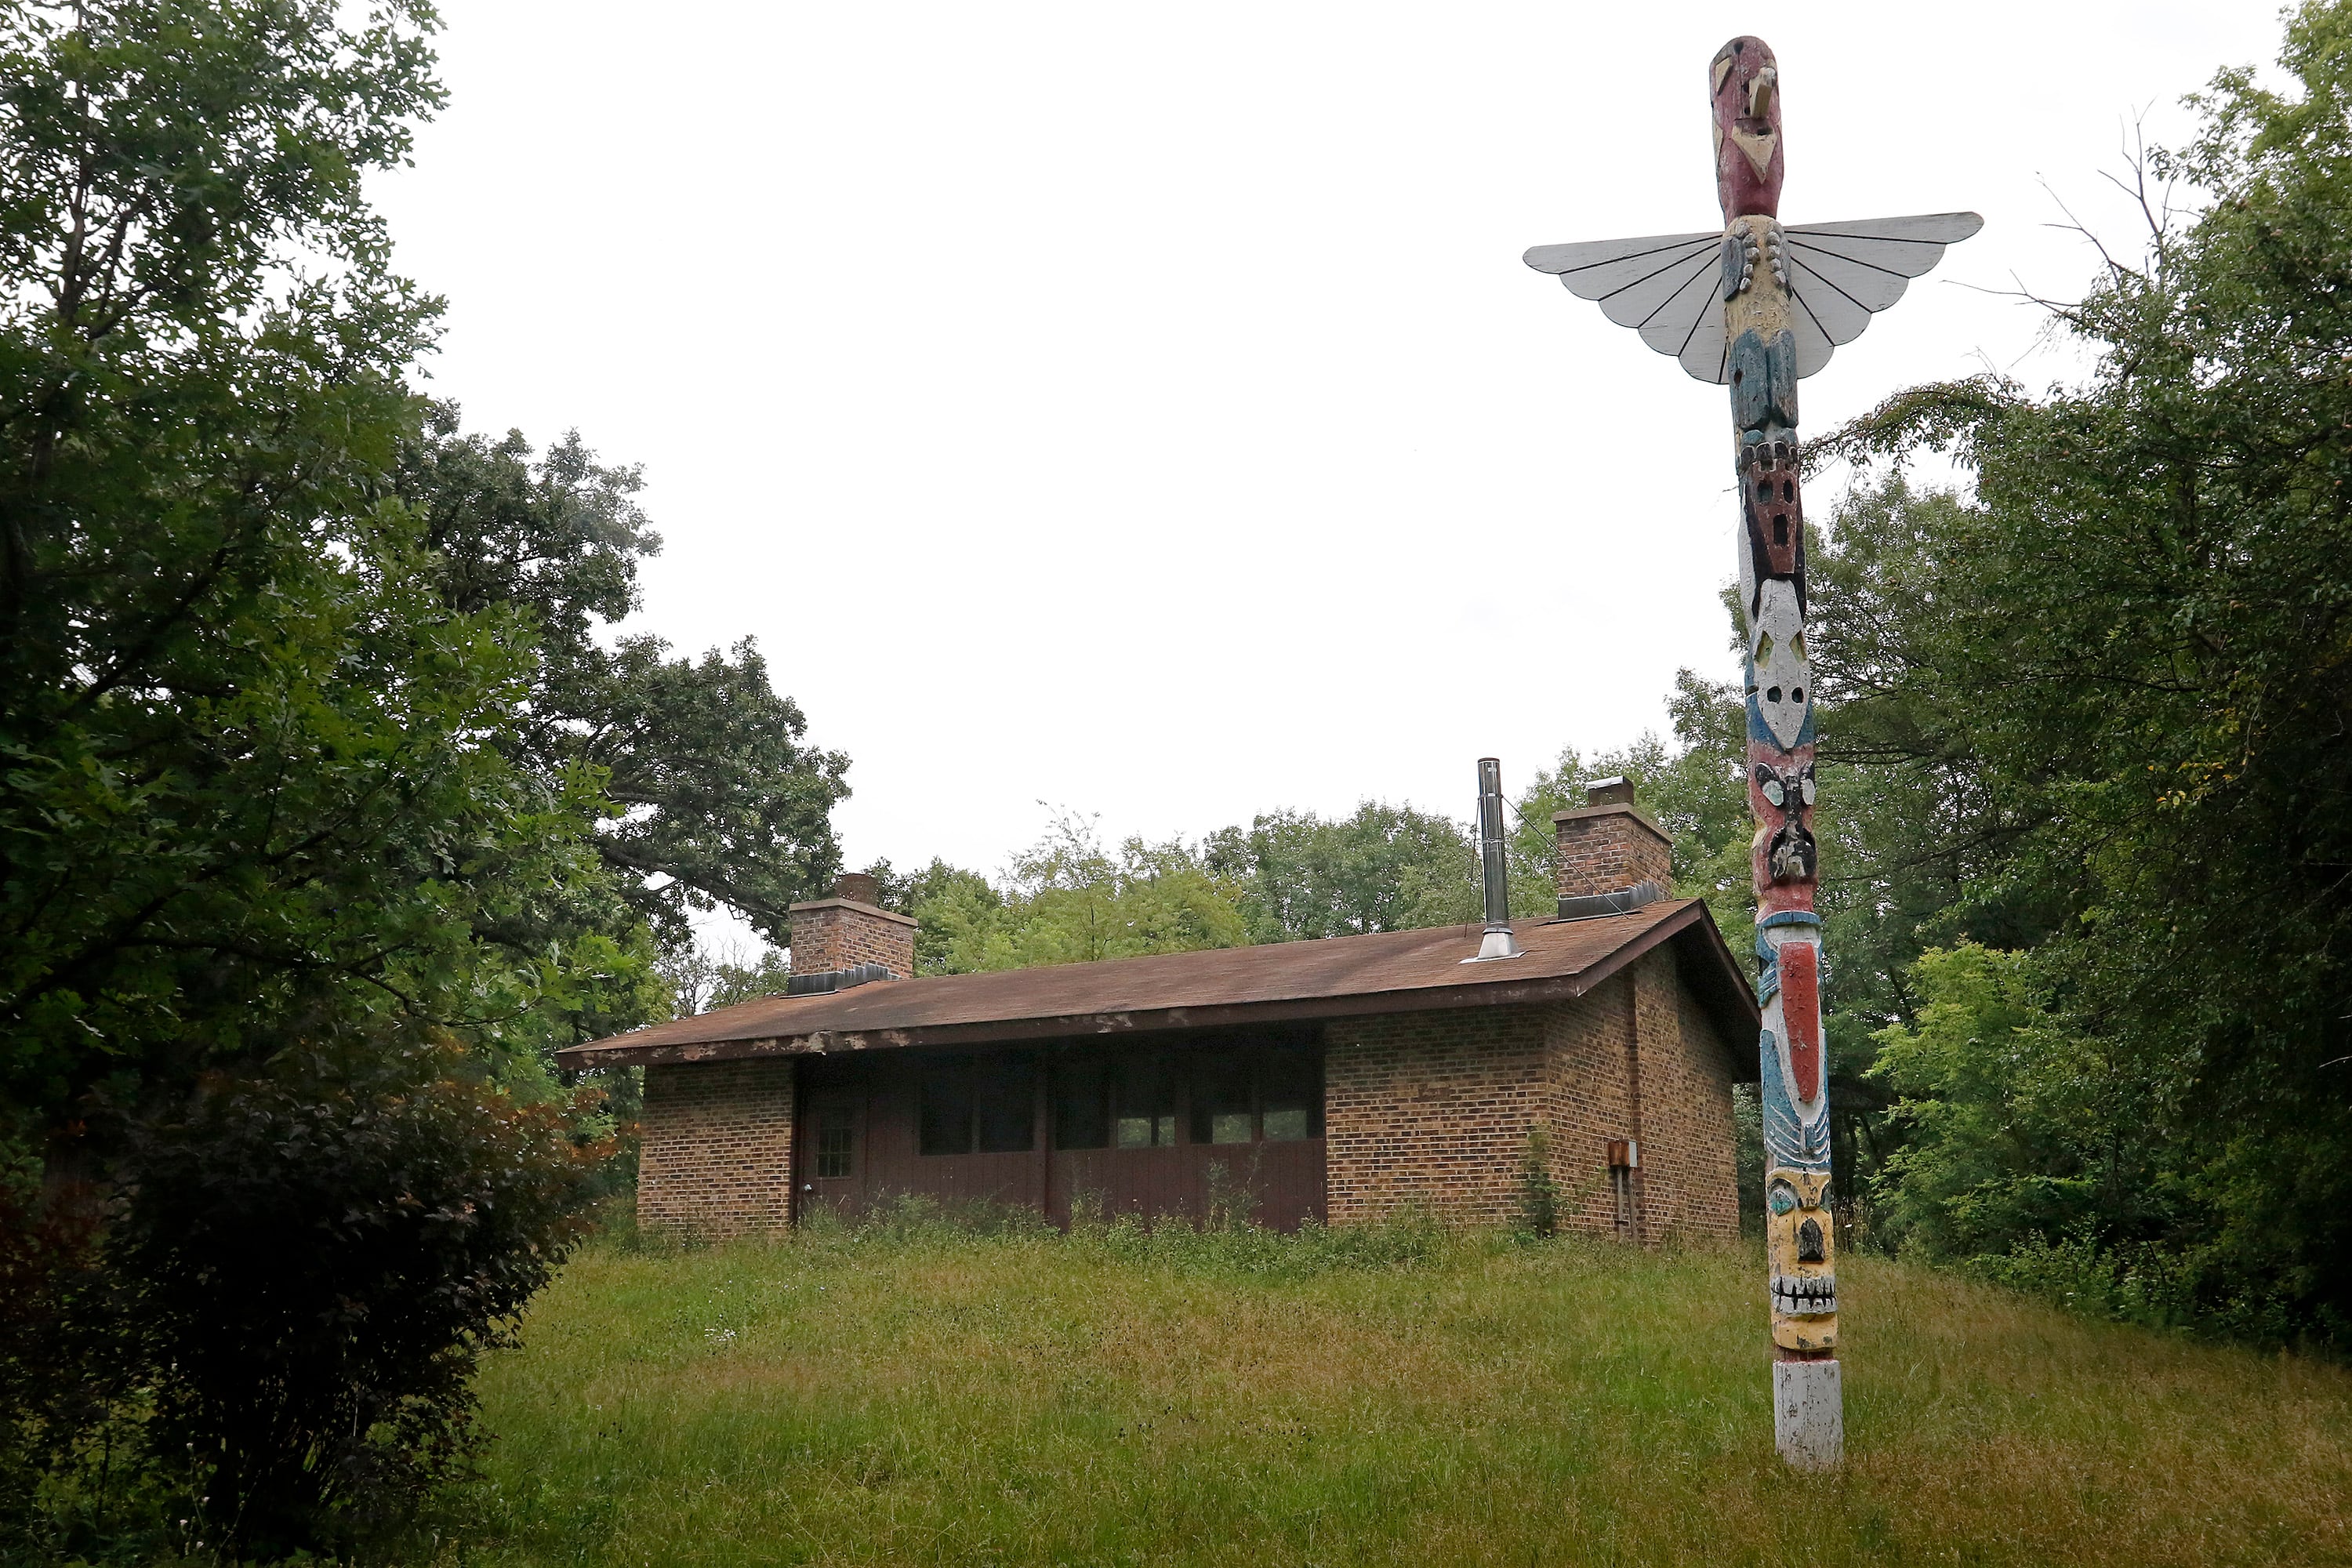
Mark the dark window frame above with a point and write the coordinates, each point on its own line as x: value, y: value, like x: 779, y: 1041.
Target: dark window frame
x: 1005, y: 1092
x: 1215, y: 1073
x: 967, y: 1104
x: 836, y: 1163
x: 1163, y: 1108
x: 943, y: 1129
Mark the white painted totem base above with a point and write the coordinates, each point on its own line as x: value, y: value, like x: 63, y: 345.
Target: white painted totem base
x: 1809, y: 1413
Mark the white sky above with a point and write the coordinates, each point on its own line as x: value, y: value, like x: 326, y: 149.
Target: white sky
x: 1146, y: 409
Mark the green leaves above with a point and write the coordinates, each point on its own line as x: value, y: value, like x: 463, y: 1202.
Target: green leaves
x: 1067, y: 899
x: 719, y: 798
x: 285, y: 932
x: 1384, y: 867
x: 2098, y: 709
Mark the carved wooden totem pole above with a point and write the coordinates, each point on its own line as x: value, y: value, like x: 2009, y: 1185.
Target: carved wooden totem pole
x: 1756, y: 307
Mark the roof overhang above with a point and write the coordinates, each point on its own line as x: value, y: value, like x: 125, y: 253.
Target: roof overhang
x: 1705, y: 964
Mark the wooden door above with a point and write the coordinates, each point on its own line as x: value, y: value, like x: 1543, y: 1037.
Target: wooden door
x: 831, y: 1151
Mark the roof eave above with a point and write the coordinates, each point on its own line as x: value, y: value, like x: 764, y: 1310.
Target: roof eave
x: 1486, y: 993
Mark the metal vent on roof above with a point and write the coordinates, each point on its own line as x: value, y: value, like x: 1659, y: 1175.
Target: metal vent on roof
x: 1495, y: 869
x: 1624, y: 902
x: 825, y: 980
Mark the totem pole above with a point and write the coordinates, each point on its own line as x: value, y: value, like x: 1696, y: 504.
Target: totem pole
x: 1756, y: 307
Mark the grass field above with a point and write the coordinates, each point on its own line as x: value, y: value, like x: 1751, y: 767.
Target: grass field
x: 917, y: 1394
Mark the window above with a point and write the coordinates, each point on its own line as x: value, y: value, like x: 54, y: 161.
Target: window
x: 1006, y: 1104
x: 1081, y: 1105
x: 947, y: 1107
x: 1291, y: 1091
x: 836, y: 1141
x: 1220, y: 1100
x: 986, y: 1102
x: 1145, y: 1093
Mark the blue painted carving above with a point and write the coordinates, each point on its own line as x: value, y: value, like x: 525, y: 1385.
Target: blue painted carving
x: 1764, y: 381
x: 1791, y: 1140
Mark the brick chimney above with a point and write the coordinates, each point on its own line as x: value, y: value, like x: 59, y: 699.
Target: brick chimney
x: 1610, y: 858
x: 850, y: 929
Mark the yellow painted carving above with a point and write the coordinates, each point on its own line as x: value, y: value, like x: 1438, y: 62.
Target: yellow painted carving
x: 1758, y: 149
x: 1800, y: 1245
x: 1764, y: 305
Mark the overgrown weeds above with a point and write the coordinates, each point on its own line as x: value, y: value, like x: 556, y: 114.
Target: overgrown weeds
x: 1227, y: 1244
x: 948, y: 1386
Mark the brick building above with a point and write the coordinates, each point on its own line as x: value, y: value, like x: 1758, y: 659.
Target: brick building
x: 1340, y: 1080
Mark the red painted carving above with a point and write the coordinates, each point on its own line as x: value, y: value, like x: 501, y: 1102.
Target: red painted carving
x: 1746, y: 81
x: 1775, y: 893
x: 1800, y: 1014
x: 1774, y: 507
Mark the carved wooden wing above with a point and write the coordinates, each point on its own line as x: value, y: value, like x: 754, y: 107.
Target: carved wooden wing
x: 1669, y: 286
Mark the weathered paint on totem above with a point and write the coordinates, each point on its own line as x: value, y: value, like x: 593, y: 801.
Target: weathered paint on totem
x: 1809, y: 1413
x: 1760, y: 320
x: 1749, y: 160
x: 1756, y: 309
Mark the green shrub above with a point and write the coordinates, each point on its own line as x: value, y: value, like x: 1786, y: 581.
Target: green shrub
x: 320, y: 1255
x: 1539, y: 1205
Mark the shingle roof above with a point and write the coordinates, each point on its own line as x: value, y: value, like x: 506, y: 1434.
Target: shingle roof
x: 1388, y: 971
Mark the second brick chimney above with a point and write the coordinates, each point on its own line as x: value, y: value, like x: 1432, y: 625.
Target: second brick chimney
x: 1610, y: 857
x: 850, y: 929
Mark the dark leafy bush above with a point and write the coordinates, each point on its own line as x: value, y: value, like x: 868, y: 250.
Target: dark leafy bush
x: 68, y: 1360
x: 321, y: 1255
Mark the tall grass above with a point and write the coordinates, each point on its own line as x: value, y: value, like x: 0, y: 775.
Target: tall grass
x: 917, y: 1392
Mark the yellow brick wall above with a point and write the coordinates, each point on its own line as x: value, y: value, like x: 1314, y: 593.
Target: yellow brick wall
x: 1432, y: 1109
x: 716, y: 1156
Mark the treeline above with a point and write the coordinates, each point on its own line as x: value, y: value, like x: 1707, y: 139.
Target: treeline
x: 330, y: 805
x: 2092, y: 795
x: 1289, y: 875
x: 2086, y: 776
x: 325, y: 812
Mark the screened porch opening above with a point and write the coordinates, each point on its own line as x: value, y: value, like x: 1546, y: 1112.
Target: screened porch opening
x: 1132, y: 1126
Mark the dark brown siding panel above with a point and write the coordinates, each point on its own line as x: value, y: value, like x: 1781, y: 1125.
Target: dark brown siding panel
x: 882, y: 1096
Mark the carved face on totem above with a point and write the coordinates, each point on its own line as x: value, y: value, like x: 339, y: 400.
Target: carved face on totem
x: 1801, y: 1246
x: 1790, y: 854
x: 1772, y: 504
x: 1776, y: 674
x: 1745, y: 80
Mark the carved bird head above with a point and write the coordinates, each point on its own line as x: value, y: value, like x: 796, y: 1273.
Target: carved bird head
x: 1745, y: 80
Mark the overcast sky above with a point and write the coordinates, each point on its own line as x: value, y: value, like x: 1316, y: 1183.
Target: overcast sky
x: 1146, y: 409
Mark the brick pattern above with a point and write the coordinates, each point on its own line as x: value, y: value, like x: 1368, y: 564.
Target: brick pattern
x: 841, y: 933
x: 1430, y: 1110
x: 716, y: 1153
x: 1588, y: 1101
x: 1433, y: 1109
x: 1690, y: 1186
x: 1606, y: 849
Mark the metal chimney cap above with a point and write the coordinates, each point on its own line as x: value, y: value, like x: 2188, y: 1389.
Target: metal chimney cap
x: 1618, y: 791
